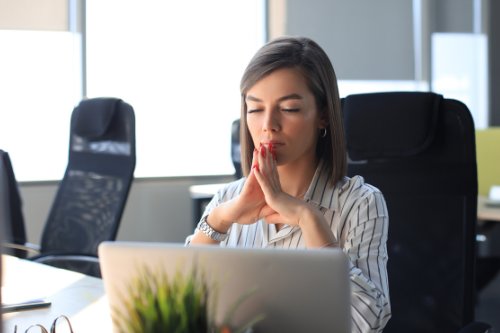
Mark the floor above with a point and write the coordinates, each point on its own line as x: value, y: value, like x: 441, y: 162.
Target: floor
x: 488, y: 305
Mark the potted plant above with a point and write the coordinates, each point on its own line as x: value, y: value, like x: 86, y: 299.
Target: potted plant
x: 155, y: 302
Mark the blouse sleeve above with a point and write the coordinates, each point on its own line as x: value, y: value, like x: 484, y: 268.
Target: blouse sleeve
x: 365, y: 245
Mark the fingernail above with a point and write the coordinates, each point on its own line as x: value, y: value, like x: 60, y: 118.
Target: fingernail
x: 263, y: 152
x: 260, y: 145
x: 270, y: 146
x: 255, y: 150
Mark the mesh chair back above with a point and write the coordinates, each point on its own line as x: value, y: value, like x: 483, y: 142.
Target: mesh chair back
x: 91, y: 197
x: 11, y: 215
x: 419, y: 150
x: 236, y: 148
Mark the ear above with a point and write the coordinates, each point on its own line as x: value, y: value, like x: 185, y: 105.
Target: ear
x: 324, y: 120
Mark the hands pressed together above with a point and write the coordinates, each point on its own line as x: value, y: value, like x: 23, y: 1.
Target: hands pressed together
x: 280, y: 207
x: 263, y: 197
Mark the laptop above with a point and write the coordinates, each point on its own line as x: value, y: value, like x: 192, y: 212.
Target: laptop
x: 295, y: 290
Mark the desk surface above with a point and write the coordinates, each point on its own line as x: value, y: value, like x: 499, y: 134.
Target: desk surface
x: 204, y: 191
x: 483, y: 212
x: 487, y: 213
x: 79, y: 297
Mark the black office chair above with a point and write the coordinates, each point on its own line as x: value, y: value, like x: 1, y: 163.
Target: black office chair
x: 419, y: 150
x: 236, y: 148
x: 11, y: 215
x: 91, y: 197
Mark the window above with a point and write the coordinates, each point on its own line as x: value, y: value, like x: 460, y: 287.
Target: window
x: 39, y: 84
x: 460, y: 71
x: 179, y: 64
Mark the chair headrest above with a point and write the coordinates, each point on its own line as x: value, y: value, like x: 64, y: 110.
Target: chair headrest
x: 389, y: 124
x: 92, y: 117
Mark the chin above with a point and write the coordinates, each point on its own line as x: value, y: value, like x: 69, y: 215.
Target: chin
x: 282, y: 160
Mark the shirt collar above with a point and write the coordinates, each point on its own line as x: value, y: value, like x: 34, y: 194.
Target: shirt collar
x: 321, y: 190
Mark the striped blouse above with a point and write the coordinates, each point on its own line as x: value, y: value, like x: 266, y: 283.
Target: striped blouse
x: 359, y: 220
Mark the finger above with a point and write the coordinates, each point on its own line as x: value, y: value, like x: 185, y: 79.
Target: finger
x: 273, y: 171
x: 255, y: 161
x: 255, y: 157
x: 263, y: 163
x: 264, y: 184
x: 271, y: 150
x: 265, y: 211
x: 274, y: 168
x: 269, y: 162
x: 273, y: 219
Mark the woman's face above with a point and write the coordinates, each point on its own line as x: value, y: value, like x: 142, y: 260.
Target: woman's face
x: 281, y: 109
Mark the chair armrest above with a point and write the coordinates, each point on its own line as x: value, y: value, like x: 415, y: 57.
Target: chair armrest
x: 28, y: 247
x: 85, y: 263
x: 47, y: 258
x: 476, y: 327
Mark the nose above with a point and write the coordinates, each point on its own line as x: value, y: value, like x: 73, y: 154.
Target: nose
x: 271, y: 122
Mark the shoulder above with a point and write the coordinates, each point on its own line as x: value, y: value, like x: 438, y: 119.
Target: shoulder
x: 356, y: 187
x: 356, y: 194
x: 230, y: 190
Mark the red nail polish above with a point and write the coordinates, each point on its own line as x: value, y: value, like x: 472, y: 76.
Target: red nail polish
x: 260, y: 145
x: 263, y: 151
x: 270, y: 146
x: 255, y: 150
x: 257, y: 168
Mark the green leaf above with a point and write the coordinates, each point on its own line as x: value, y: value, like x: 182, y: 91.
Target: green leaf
x: 236, y: 304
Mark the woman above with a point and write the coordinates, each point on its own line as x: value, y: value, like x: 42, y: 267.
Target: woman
x: 295, y: 194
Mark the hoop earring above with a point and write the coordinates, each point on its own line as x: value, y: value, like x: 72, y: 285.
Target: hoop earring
x: 324, y: 133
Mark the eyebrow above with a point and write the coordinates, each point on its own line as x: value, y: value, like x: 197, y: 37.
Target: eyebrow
x: 281, y: 99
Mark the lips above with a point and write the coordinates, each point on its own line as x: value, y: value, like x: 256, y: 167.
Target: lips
x: 276, y: 144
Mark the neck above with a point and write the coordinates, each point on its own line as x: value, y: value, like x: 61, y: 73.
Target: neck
x: 296, y: 176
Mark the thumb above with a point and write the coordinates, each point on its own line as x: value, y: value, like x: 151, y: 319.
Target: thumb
x: 266, y: 211
x: 274, y: 218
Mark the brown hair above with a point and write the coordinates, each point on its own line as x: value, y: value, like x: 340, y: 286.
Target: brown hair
x: 311, y: 61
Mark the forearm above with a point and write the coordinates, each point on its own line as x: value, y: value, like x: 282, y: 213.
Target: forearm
x: 315, y: 229
x: 370, y: 307
x: 217, y: 223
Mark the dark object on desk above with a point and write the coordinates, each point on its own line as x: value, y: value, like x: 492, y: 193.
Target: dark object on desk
x: 91, y: 197
x: 419, y: 150
x: 492, y: 204
x: 25, y: 306
x: 12, y: 218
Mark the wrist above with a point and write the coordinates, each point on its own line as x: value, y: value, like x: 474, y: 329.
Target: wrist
x: 306, y: 216
x: 216, y: 222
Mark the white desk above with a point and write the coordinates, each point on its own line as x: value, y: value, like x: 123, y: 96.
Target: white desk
x: 485, y: 213
x: 201, y: 196
x: 79, y: 297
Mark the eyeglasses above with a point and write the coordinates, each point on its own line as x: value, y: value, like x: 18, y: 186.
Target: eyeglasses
x: 52, y: 328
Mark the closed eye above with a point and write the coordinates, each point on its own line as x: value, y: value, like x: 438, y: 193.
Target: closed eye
x: 254, y: 110
x: 290, y: 110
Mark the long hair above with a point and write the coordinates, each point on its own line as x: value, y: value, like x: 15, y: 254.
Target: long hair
x: 311, y: 61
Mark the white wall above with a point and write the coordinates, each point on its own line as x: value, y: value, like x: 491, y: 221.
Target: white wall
x: 365, y: 40
x: 157, y: 210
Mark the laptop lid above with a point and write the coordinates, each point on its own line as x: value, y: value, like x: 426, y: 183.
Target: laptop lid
x: 297, y: 291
